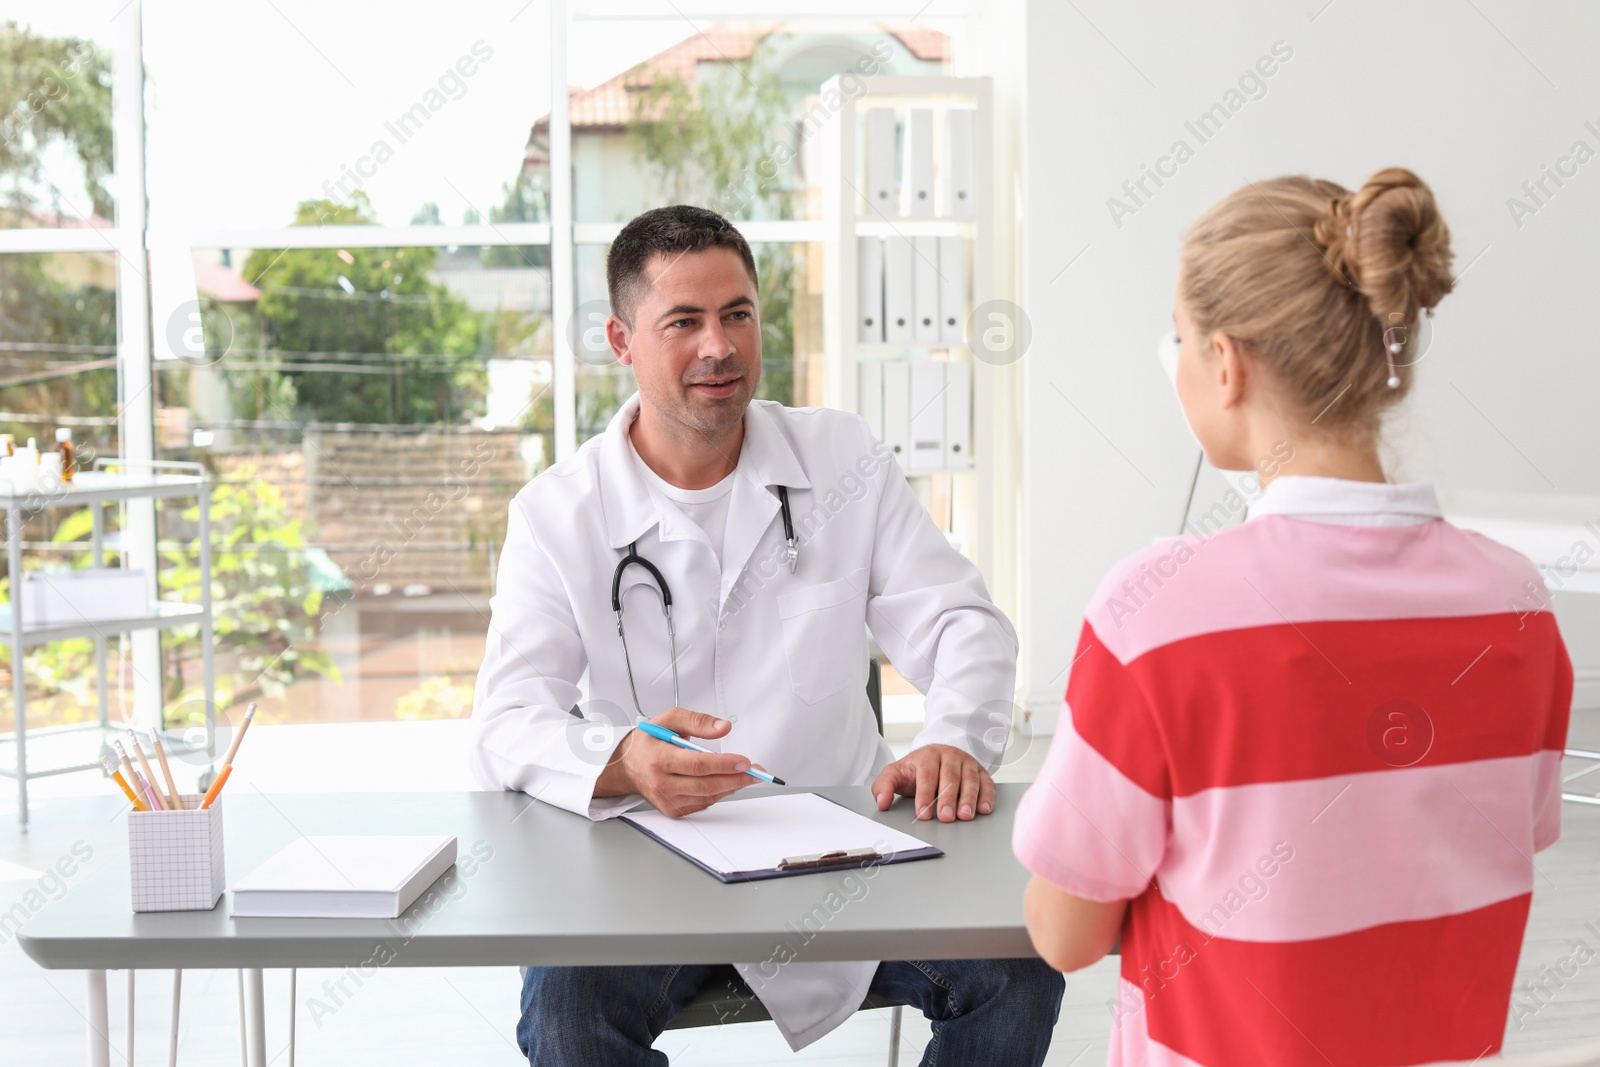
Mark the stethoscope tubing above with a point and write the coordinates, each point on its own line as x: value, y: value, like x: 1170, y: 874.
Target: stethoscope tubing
x: 664, y: 591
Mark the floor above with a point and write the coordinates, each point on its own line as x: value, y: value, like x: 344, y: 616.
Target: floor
x: 467, y: 1015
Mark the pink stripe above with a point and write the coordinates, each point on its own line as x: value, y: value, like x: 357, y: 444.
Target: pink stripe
x: 1131, y: 1043
x: 1547, y: 812
x: 1085, y: 826
x: 1381, y: 847
x: 1277, y: 568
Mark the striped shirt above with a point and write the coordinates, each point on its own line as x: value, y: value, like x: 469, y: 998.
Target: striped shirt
x: 1316, y: 752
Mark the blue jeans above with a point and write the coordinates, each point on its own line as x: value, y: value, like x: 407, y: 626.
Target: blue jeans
x: 993, y: 1012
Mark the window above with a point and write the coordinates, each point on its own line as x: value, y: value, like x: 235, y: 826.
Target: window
x: 59, y: 274
x: 420, y: 121
x: 724, y: 115
x: 377, y: 408
x: 359, y: 316
x: 55, y: 117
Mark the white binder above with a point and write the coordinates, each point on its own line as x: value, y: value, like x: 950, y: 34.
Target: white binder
x: 882, y: 188
x: 952, y: 289
x: 925, y: 290
x: 869, y: 289
x: 898, y: 273
x: 918, y: 184
x: 869, y: 395
x: 897, y: 409
x: 958, y: 414
x: 960, y: 196
x: 927, y: 415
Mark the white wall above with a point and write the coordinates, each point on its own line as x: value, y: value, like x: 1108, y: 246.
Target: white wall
x: 1474, y: 108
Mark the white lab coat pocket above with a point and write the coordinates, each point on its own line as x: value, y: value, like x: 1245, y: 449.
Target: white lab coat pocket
x: 824, y: 634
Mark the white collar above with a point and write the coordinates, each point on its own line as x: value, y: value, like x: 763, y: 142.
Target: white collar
x: 766, y: 458
x: 1338, y: 500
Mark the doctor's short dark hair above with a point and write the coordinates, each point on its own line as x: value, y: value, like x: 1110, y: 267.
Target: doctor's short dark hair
x: 669, y: 231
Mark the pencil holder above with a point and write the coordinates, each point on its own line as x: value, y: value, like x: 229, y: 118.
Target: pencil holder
x: 175, y: 857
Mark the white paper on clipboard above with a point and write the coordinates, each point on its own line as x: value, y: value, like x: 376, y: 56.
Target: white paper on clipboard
x: 743, y: 836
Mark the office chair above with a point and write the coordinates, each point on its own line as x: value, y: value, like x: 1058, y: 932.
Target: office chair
x: 1584, y: 754
x: 726, y: 998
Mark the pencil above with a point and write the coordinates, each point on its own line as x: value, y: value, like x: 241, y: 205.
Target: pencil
x: 111, y: 769
x: 146, y: 790
x: 216, y: 786
x: 227, y: 762
x: 233, y: 749
x: 166, y: 771
x: 149, y: 776
x: 127, y: 767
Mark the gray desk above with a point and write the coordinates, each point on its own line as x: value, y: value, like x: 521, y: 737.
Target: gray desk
x: 555, y: 890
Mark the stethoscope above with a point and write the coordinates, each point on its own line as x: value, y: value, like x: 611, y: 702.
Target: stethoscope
x: 665, y: 592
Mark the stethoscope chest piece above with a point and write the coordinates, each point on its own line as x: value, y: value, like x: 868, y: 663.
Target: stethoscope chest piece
x: 792, y: 551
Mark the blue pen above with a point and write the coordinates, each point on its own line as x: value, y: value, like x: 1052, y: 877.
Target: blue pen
x: 667, y: 735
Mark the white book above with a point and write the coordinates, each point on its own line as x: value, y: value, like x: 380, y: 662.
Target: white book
x: 897, y: 409
x: 927, y: 416
x: 883, y: 189
x: 869, y: 395
x: 952, y: 289
x: 961, y: 197
x: 958, y: 415
x: 918, y: 185
x: 898, y: 276
x: 869, y: 289
x: 925, y: 289
x: 343, y: 877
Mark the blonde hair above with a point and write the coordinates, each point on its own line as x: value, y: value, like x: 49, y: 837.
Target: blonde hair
x: 1315, y: 282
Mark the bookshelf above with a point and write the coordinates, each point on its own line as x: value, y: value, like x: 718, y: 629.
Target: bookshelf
x: 962, y: 497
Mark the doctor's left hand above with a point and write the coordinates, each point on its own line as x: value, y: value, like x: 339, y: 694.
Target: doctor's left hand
x: 938, y: 777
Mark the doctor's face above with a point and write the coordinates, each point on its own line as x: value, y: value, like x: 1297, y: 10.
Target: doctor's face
x: 695, y: 342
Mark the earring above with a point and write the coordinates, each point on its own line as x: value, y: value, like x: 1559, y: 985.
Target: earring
x: 1392, y: 348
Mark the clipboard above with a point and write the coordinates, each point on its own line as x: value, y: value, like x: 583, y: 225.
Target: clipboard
x: 780, y: 836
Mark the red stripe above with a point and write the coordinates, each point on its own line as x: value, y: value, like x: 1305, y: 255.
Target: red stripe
x: 1110, y: 711
x: 1319, y: 699
x: 1400, y: 993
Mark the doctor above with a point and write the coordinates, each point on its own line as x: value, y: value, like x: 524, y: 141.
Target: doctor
x: 778, y: 535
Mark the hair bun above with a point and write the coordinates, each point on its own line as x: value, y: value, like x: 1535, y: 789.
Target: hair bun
x: 1388, y: 240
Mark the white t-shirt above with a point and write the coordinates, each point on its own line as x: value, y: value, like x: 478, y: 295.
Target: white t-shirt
x: 706, y: 508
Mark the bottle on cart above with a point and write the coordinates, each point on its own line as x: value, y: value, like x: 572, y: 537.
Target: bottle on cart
x: 69, y: 454
x: 30, y: 452
x: 8, y: 445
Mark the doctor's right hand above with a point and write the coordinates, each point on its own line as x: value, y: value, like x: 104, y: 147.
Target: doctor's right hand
x: 674, y: 780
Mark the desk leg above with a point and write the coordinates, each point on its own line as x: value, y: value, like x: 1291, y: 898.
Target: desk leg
x: 291, y: 1016
x: 177, y: 1001
x: 99, y: 1022
x: 255, y: 1018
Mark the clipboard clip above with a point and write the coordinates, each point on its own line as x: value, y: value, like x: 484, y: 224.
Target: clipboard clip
x: 844, y: 857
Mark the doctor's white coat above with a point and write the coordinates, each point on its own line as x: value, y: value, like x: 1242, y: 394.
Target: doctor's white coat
x: 782, y: 656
